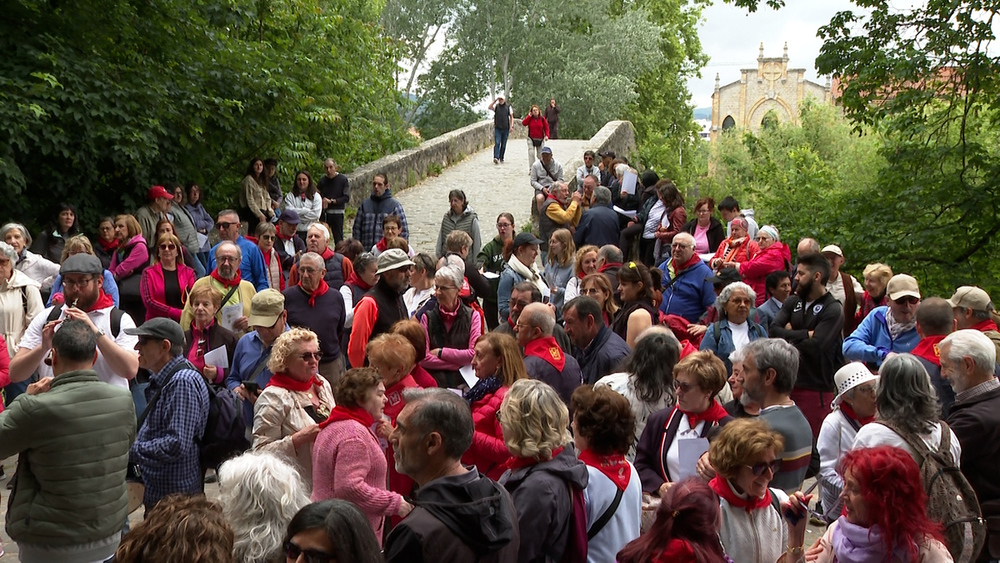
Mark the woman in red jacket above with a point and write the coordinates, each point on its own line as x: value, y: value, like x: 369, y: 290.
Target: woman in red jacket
x: 498, y: 364
x: 538, y: 133
x: 774, y: 255
x: 165, y: 285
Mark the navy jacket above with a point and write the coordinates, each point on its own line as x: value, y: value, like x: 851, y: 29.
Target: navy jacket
x: 603, y: 356
x: 598, y: 226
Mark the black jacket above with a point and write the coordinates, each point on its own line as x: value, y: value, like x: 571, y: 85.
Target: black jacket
x: 598, y: 226
x: 603, y: 356
x: 976, y: 422
x: 716, y: 232
x: 822, y: 355
x: 461, y: 518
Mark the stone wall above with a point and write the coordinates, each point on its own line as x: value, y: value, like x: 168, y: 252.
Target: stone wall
x: 615, y: 136
x: 406, y: 168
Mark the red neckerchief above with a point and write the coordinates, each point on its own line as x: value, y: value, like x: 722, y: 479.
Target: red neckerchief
x: 849, y: 411
x: 711, y: 415
x: 354, y: 279
x: 724, y: 490
x: 284, y: 382
x: 108, y: 246
x: 394, y: 397
x: 103, y: 302
x: 516, y: 463
x: 613, y: 467
x: 357, y: 414
x: 680, y: 268
x: 582, y: 274
x: 321, y: 289
x: 327, y: 254
x: 511, y: 322
x: 610, y: 266
x: 677, y: 550
x: 227, y: 283
x: 547, y: 349
x: 927, y: 349
x: 382, y: 245
x: 984, y: 326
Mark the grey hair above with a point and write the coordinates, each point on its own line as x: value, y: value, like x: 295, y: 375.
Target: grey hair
x: 777, y: 354
x: 620, y: 169
x: 239, y: 252
x: 260, y: 492
x: 176, y: 349
x: 973, y: 344
x: 440, y: 410
x: 610, y: 253
x: 737, y: 356
x: 540, y: 316
x: 602, y: 195
x: 8, y: 251
x: 226, y: 212
x: 723, y: 299
x: 364, y: 260
x: 452, y: 273
x: 24, y: 232
x: 315, y: 258
x: 686, y: 238
x: 906, y: 396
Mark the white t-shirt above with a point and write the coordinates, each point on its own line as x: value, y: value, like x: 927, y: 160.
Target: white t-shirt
x: 741, y: 334
x: 874, y: 434
x: 102, y: 319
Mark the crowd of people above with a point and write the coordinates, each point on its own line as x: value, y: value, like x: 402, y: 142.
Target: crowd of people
x: 620, y: 384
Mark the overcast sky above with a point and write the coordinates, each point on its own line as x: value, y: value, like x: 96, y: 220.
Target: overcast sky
x: 731, y: 37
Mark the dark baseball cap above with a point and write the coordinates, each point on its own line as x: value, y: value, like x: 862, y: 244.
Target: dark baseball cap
x: 160, y: 328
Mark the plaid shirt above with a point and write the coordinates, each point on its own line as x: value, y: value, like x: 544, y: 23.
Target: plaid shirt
x: 368, y: 223
x: 166, y: 446
x: 981, y: 389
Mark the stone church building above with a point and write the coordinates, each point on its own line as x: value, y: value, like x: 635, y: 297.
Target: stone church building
x: 771, y: 89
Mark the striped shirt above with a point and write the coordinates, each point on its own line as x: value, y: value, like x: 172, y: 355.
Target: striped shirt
x: 788, y: 421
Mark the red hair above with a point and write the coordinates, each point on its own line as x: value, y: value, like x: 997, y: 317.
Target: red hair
x: 894, y: 495
x: 689, y: 512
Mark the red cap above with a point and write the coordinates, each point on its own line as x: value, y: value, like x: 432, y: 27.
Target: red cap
x: 157, y: 192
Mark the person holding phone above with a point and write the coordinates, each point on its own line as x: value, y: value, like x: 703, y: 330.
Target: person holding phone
x: 248, y: 371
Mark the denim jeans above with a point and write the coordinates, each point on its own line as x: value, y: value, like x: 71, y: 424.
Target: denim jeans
x: 500, y: 142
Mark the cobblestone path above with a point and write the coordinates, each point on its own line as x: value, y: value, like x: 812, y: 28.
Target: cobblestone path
x: 491, y: 189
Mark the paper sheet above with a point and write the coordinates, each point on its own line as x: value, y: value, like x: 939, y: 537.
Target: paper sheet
x: 629, y: 180
x: 218, y: 358
x: 491, y: 275
x: 202, y: 240
x: 630, y: 213
x: 469, y: 375
x: 230, y: 314
x: 688, y: 452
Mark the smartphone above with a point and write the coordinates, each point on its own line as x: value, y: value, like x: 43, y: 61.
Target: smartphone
x: 252, y: 387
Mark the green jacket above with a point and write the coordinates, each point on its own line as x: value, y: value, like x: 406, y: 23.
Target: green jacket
x: 490, y: 258
x: 74, y: 441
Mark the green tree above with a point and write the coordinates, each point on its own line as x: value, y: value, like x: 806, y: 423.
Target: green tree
x: 100, y: 101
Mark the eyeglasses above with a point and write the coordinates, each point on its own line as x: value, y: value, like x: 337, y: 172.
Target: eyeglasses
x: 504, y: 225
x: 308, y: 270
x: 445, y: 288
x: 168, y: 247
x: 908, y: 300
x: 680, y: 245
x: 267, y: 237
x: 758, y: 469
x: 293, y: 552
x: 762, y: 239
x: 684, y: 387
x: 226, y: 259
x: 306, y: 356
x: 76, y: 283
x: 868, y: 389
x: 224, y: 225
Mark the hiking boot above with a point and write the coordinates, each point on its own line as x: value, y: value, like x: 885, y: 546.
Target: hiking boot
x: 496, y: 161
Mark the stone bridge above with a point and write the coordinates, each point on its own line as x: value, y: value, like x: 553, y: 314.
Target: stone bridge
x: 465, y: 160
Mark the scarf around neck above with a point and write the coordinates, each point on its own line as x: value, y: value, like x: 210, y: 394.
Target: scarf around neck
x: 320, y: 290
x: 357, y: 414
x: 897, y: 328
x: 103, y: 301
x: 516, y: 463
x: 547, y: 349
x: 714, y: 413
x: 985, y: 325
x: 676, y: 268
x: 612, y: 466
x: 849, y: 411
x: 524, y: 271
x: 227, y: 283
x: 356, y: 280
x: 283, y: 381
x: 858, y: 544
x: 108, y: 246
x: 381, y: 245
x: 725, y: 490
x: 928, y: 349
x: 482, y: 388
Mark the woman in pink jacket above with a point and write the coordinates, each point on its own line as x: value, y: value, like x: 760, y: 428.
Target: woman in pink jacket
x: 498, y: 364
x: 132, y: 255
x: 166, y: 284
x: 348, y: 462
x: 773, y: 256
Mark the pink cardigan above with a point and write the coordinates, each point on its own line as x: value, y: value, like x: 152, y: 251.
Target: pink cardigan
x: 151, y: 288
x: 348, y: 464
x: 488, y: 451
x: 137, y: 257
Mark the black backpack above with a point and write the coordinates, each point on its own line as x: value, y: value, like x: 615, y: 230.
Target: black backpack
x: 225, y: 430
x: 950, y: 498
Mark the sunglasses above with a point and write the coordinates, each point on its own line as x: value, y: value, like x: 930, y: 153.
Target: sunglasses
x: 759, y: 468
x: 908, y: 300
x: 293, y: 552
x: 685, y: 387
x: 267, y: 237
x: 224, y: 225
x: 306, y: 356
x: 168, y: 247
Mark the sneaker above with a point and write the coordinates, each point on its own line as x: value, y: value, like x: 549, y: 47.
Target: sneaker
x: 496, y: 161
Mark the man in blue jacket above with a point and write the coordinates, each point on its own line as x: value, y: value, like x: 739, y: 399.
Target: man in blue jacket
x: 252, y: 262
x: 686, y: 289
x: 888, y: 329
